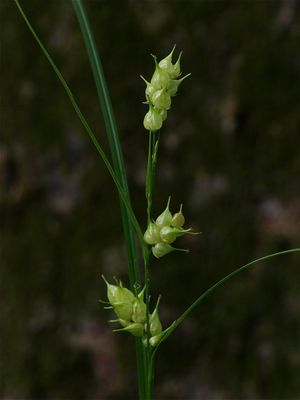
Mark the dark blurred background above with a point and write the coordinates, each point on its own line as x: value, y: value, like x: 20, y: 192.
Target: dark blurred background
x: 230, y: 151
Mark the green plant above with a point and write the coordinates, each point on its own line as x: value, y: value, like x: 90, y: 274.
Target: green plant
x: 133, y: 307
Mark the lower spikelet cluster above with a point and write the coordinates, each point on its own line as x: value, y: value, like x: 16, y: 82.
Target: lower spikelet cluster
x: 131, y: 312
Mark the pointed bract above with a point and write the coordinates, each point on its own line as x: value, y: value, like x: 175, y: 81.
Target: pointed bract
x: 174, y: 84
x: 178, y: 219
x: 166, y: 63
x: 135, y: 329
x: 176, y: 68
x: 141, y: 294
x: 169, y: 234
x: 120, y: 321
x: 154, y: 321
x: 150, y: 89
x: 160, y: 78
x: 164, y: 219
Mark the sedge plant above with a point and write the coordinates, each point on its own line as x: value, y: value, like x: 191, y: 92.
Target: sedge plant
x: 134, y: 313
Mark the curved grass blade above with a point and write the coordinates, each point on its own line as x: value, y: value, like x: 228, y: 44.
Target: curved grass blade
x: 183, y: 316
x: 122, y: 188
x: 119, y: 167
x: 112, y: 135
x: 87, y: 128
x: 221, y: 282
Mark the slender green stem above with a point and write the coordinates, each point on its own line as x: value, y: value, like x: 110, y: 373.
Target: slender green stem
x: 151, y: 167
x: 148, y: 187
x: 147, y: 300
x: 154, y: 156
x: 141, y: 367
x: 149, y: 178
x: 151, y: 376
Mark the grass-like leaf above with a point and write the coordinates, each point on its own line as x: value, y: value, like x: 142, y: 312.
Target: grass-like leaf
x: 112, y: 134
x: 87, y: 128
x: 199, y: 300
x: 117, y: 173
x: 119, y: 167
x: 221, y: 282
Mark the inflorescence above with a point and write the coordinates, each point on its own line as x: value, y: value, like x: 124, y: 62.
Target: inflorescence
x: 165, y: 230
x: 160, y: 90
x: 131, y: 312
x: 130, y: 308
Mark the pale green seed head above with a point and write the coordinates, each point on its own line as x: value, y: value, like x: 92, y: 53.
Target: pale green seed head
x: 152, y: 236
x: 139, y: 311
x: 178, y: 219
x: 154, y: 340
x: 125, y: 295
x: 166, y: 63
x: 123, y: 310
x: 154, y: 321
x: 117, y: 294
x: 164, y: 219
x: 150, y: 90
x: 161, y: 99
x: 153, y: 120
x: 176, y: 68
x: 141, y: 294
x: 163, y: 114
x: 121, y: 300
x: 155, y: 326
x: 161, y: 249
x: 112, y: 292
x: 160, y: 78
x: 173, y: 87
x: 168, y: 234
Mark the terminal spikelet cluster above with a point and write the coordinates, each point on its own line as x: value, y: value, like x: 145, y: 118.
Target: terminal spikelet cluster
x: 160, y: 90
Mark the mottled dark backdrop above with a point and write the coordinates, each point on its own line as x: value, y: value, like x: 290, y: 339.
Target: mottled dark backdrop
x: 230, y: 151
